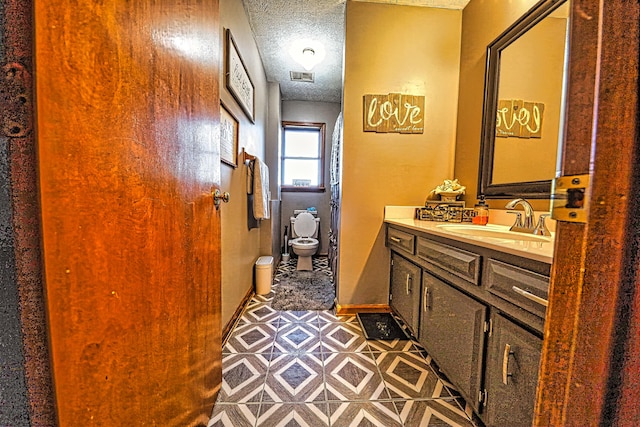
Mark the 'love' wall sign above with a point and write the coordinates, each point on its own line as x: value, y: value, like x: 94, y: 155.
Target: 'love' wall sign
x: 394, y: 113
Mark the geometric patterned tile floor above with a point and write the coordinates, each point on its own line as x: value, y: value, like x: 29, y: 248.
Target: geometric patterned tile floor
x: 313, y: 368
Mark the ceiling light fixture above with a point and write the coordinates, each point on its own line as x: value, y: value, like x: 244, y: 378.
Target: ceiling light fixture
x: 307, y: 53
x: 308, y: 60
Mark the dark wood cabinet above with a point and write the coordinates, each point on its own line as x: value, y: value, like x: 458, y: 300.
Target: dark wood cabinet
x: 452, y: 330
x: 405, y: 291
x: 400, y: 241
x: 479, y: 313
x: 513, y: 359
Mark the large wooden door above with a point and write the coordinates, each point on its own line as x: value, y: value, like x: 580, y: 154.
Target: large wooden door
x: 128, y: 116
x: 591, y: 350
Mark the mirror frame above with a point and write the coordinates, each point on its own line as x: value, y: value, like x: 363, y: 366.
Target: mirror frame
x: 529, y: 189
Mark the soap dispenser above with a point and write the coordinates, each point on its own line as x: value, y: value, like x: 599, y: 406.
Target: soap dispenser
x: 480, y: 212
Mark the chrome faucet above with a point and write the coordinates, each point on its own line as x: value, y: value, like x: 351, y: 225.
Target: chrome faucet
x: 541, y: 229
x: 528, y: 224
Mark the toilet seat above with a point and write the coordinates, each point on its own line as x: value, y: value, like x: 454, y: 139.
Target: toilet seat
x: 304, y: 242
x: 305, y: 225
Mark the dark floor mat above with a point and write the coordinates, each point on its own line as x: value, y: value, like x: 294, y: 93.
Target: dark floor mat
x: 381, y: 326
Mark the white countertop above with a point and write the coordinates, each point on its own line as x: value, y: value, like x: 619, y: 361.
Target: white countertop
x: 539, y: 251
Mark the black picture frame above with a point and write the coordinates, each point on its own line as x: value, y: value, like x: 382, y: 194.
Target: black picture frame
x: 237, y: 78
x: 229, y: 135
x: 486, y: 187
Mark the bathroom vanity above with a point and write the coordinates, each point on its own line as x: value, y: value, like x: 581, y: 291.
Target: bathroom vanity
x: 476, y: 300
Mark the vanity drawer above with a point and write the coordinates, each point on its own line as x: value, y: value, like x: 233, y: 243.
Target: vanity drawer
x: 400, y: 240
x: 459, y: 262
x: 524, y: 288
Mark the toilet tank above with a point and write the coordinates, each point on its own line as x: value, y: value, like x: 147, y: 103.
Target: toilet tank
x: 293, y: 232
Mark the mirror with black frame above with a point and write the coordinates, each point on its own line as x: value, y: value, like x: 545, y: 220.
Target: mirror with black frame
x: 523, y: 104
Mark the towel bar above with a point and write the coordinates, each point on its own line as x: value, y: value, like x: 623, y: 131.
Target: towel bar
x: 245, y: 157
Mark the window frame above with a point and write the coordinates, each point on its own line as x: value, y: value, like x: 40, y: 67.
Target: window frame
x: 321, y: 127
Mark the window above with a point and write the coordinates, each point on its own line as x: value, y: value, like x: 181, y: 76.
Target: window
x: 302, y: 156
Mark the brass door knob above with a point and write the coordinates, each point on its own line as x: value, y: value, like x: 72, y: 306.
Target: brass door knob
x: 219, y: 197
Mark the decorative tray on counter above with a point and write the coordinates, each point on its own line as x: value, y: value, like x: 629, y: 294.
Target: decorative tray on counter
x: 444, y: 212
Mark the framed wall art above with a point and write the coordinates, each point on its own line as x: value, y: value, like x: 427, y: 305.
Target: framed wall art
x: 238, y: 80
x: 229, y: 128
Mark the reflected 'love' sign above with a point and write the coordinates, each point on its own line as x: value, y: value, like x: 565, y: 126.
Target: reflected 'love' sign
x: 521, y: 119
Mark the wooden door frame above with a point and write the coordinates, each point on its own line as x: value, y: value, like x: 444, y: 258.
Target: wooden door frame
x: 591, y: 349
x: 16, y: 62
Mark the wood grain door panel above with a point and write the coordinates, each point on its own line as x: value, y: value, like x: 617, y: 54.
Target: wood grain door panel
x: 127, y: 120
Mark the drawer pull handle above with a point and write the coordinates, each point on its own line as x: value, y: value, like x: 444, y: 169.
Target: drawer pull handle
x: 505, y: 364
x: 409, y: 284
x: 529, y: 295
x: 395, y: 239
x: 426, y: 304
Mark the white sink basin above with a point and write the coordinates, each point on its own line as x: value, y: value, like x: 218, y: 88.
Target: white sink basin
x: 492, y: 231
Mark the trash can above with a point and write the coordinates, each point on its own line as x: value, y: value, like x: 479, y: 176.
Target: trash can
x: 264, y: 274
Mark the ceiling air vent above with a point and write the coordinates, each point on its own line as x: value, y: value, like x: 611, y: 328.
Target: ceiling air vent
x: 300, y: 76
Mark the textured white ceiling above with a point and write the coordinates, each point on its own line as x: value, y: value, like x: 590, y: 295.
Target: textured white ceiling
x: 444, y: 4
x: 276, y: 24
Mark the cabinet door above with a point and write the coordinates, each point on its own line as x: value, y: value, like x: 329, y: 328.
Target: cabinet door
x: 512, y: 374
x: 405, y: 290
x: 452, y: 331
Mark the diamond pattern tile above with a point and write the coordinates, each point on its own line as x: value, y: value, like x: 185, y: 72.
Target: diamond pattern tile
x: 251, y: 338
x: 313, y: 368
x: 310, y: 317
x: 363, y: 414
x: 330, y: 317
x: 394, y: 345
x: 432, y: 413
x: 295, y: 378
x: 294, y: 415
x: 319, y: 264
x: 298, y: 338
x: 234, y: 415
x: 259, y: 311
x: 342, y: 337
x: 409, y: 376
x: 243, y: 377
x: 353, y: 376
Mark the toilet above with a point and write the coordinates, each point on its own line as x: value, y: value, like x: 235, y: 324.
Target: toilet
x: 304, y: 232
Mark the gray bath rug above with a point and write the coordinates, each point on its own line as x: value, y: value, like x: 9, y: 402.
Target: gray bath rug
x: 304, y: 290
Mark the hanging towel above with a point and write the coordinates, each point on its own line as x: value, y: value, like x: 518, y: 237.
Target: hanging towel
x: 260, y: 190
x: 252, y: 222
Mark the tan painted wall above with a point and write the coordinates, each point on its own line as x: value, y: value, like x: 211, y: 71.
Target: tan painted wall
x: 241, y: 246
x: 404, y: 49
x: 482, y: 22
